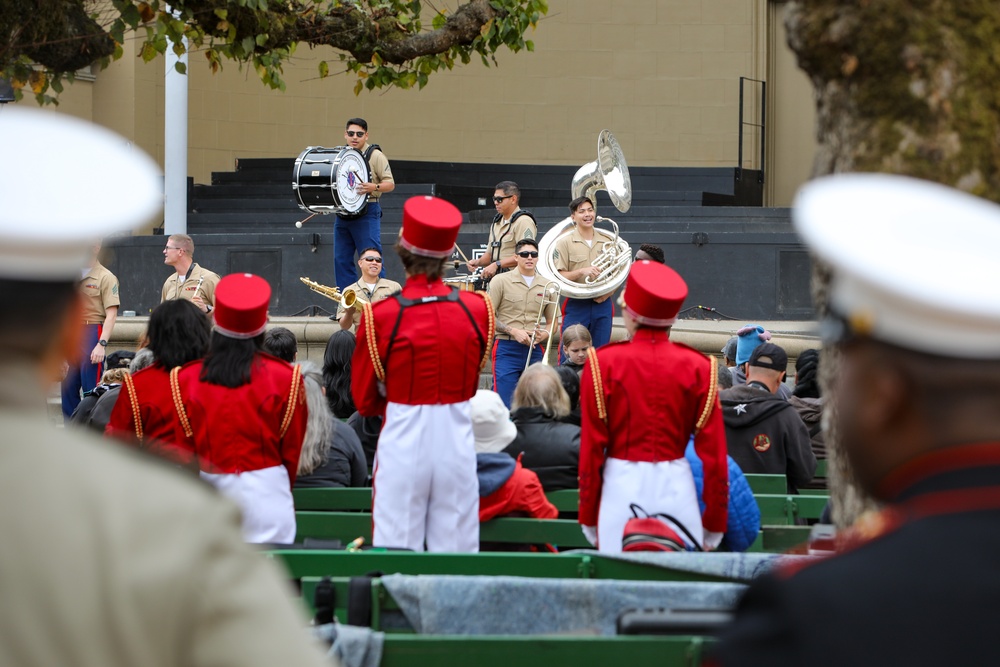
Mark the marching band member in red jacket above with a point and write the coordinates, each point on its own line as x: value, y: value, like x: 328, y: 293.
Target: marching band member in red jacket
x: 244, y: 412
x: 418, y: 359
x: 641, y: 401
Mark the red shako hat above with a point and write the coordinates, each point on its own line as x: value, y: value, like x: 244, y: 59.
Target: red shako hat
x: 430, y: 226
x: 654, y: 294
x: 241, y: 301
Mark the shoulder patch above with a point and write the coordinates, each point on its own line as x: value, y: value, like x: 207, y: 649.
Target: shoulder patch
x: 555, y: 254
x: 114, y: 289
x: 528, y: 234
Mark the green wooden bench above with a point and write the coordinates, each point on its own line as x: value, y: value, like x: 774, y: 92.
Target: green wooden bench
x: 761, y: 483
x: 360, y: 499
x: 346, y: 526
x: 541, y: 651
x: 782, y: 509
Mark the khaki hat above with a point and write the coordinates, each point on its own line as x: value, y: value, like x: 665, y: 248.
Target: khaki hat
x: 64, y: 184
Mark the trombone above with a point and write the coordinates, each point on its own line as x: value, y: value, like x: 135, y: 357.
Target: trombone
x: 551, y: 294
x: 347, y: 299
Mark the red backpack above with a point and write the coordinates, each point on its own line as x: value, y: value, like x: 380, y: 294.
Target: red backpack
x: 651, y: 532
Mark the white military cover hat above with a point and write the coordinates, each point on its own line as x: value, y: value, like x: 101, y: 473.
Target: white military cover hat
x: 64, y: 184
x: 914, y: 263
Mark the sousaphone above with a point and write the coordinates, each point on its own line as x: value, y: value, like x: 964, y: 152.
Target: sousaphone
x: 610, y: 173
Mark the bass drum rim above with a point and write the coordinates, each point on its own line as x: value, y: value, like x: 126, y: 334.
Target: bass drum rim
x: 336, y: 205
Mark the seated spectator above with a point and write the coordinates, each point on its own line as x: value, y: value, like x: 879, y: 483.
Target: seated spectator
x: 807, y: 401
x: 729, y: 352
x: 337, y: 373
x: 764, y: 434
x: 743, y: 519
x: 748, y: 338
x: 178, y: 332
x: 575, y: 342
x: 331, y: 453
x: 545, y: 444
x: 82, y: 415
x: 725, y: 380
x: 505, y: 487
x: 101, y: 414
x: 280, y: 342
x: 571, y: 383
x: 119, y: 359
x: 367, y: 429
x: 648, y: 251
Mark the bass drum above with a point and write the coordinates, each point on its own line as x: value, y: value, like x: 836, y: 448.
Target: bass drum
x: 326, y: 180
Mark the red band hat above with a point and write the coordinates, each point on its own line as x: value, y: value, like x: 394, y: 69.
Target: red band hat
x: 430, y: 226
x: 241, y: 301
x: 654, y: 294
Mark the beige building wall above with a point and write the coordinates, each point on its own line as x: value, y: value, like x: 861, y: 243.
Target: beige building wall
x: 792, y: 117
x: 663, y: 75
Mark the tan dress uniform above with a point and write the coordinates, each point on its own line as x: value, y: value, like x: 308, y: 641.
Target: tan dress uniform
x: 508, y: 233
x: 176, y: 287
x: 383, y: 288
x: 100, y: 292
x: 110, y: 559
x: 572, y: 253
x: 517, y: 305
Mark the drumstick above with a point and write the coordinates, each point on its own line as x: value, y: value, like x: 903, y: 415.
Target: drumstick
x: 299, y: 223
x: 461, y: 253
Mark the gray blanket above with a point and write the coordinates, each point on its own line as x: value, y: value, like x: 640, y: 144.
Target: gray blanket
x: 453, y: 605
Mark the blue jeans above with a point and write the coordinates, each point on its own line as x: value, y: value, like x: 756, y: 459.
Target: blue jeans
x: 508, y: 364
x: 351, y: 237
x: 84, y: 376
x: 595, y: 316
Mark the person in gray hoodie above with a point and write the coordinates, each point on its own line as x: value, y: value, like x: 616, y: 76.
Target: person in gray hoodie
x: 764, y: 433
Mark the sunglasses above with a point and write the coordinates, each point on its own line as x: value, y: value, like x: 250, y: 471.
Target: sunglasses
x: 377, y: 260
x: 497, y: 200
x: 526, y: 254
x: 352, y: 133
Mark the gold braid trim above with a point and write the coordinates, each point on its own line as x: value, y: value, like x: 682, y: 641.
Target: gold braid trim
x: 595, y: 374
x: 175, y: 390
x: 491, y: 328
x: 134, y: 402
x: 713, y: 390
x: 369, y: 320
x: 293, y: 399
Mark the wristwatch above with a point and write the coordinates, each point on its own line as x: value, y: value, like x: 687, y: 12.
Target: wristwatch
x: 102, y: 343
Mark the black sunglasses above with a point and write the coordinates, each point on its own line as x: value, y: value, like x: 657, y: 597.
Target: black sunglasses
x: 377, y: 260
x: 351, y: 133
x: 526, y: 254
x: 497, y: 200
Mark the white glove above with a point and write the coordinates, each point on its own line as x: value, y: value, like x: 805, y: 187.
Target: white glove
x: 712, y: 540
x: 590, y: 532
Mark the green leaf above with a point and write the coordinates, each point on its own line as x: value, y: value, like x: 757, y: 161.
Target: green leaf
x: 130, y: 14
x: 358, y: 86
x: 438, y: 21
x: 324, y: 69
x: 180, y: 67
x: 148, y: 52
x: 376, y: 60
x: 530, y: 45
x: 261, y: 39
x: 222, y: 13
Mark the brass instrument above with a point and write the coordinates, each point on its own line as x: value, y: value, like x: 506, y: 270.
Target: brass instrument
x: 551, y: 294
x: 347, y: 298
x: 609, y: 172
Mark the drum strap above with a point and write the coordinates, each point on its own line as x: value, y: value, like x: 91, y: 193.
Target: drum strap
x: 495, y: 245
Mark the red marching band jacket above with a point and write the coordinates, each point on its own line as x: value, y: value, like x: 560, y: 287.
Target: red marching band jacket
x: 251, y: 427
x: 144, y: 415
x: 437, y: 351
x: 644, y: 405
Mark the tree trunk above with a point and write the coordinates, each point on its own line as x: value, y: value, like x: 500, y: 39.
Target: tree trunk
x: 905, y: 87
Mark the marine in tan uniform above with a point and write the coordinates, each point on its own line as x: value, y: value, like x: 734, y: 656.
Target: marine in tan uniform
x: 510, y: 225
x: 107, y: 558
x: 370, y: 288
x: 517, y: 297
x: 99, y: 289
x: 575, y: 253
x: 189, y: 281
